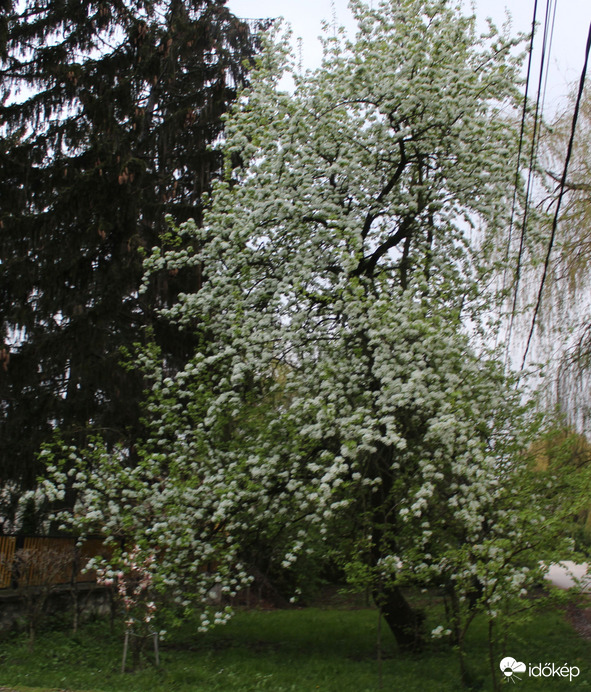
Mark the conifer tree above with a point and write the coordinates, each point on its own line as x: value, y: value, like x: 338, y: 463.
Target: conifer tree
x: 108, y: 112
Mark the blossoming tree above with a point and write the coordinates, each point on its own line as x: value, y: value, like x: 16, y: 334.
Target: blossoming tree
x: 339, y: 377
x: 336, y: 253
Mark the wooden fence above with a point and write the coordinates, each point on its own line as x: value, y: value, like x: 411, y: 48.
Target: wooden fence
x: 7, y: 550
x: 45, y: 560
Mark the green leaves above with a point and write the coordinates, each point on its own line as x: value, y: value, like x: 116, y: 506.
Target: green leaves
x: 341, y: 393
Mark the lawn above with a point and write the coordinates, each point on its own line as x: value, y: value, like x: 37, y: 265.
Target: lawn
x: 303, y: 650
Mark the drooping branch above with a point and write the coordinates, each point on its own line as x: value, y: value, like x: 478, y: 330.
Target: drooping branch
x: 569, y: 184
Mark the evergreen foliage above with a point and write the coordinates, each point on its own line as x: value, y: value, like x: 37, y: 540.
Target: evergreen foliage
x: 109, y: 111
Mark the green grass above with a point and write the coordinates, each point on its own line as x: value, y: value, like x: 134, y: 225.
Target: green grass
x: 331, y: 650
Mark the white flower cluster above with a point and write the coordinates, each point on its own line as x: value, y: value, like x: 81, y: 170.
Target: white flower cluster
x: 335, y: 381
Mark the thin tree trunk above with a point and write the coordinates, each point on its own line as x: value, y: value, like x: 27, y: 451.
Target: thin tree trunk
x: 380, y: 671
x: 492, y: 658
x: 31, y: 644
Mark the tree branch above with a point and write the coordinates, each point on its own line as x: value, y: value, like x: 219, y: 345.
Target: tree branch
x: 368, y: 264
x: 584, y: 187
x: 370, y: 218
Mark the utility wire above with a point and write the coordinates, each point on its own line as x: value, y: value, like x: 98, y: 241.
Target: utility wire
x: 522, y: 129
x: 546, y: 47
x: 549, y: 50
x: 517, y: 169
x: 560, y: 196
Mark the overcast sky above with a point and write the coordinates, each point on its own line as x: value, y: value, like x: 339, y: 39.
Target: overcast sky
x: 568, y: 46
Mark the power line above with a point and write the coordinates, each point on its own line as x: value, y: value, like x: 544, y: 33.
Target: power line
x: 560, y: 196
x: 553, y: 23
x: 517, y: 168
x: 522, y: 128
x: 546, y: 49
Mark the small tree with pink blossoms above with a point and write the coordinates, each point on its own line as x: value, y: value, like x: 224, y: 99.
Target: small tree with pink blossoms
x: 133, y: 585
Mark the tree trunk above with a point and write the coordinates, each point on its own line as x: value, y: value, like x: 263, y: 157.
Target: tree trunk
x: 405, y: 622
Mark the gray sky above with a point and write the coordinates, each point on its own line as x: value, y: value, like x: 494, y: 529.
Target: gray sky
x: 568, y: 46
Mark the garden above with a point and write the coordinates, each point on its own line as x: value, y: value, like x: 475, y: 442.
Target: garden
x: 332, y: 645
x: 299, y: 375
